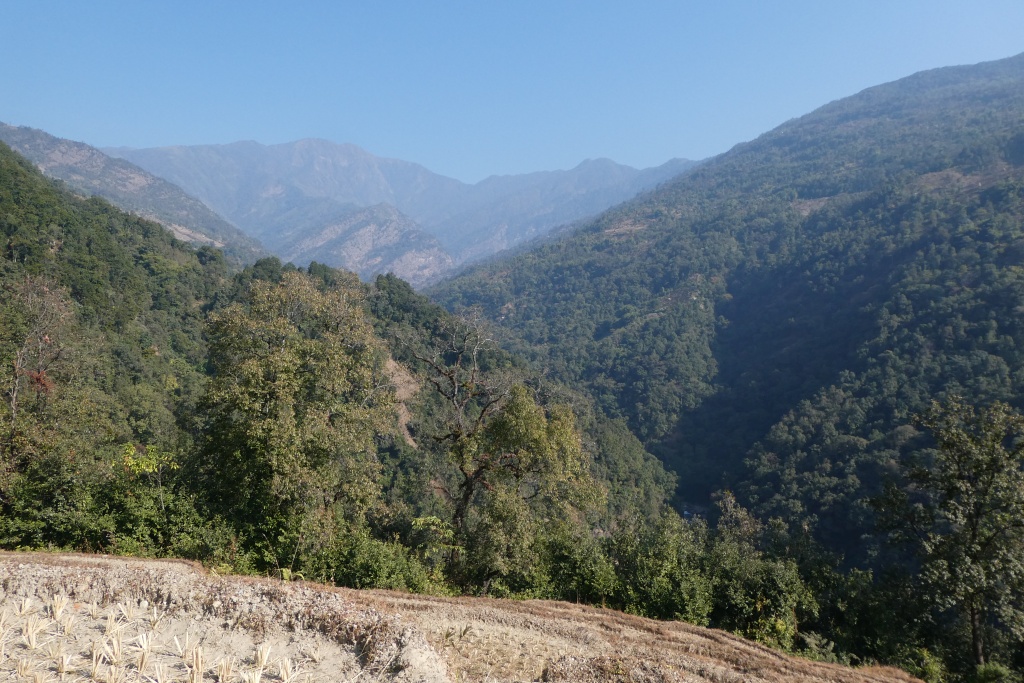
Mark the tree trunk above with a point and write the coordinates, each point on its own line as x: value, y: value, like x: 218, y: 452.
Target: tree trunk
x: 468, y: 487
x: 977, y: 637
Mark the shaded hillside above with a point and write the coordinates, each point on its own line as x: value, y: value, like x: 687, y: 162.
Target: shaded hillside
x: 790, y: 304
x: 291, y: 192
x: 89, y: 171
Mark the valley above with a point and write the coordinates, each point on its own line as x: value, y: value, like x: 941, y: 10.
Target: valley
x: 301, y: 199
x: 775, y: 394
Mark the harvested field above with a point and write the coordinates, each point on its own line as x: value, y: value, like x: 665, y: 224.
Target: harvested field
x: 75, y: 617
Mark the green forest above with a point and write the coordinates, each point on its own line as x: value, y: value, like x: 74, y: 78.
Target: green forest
x: 780, y: 395
x: 779, y: 325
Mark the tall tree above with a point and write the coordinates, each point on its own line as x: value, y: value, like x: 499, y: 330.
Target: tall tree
x: 517, y: 463
x: 965, y: 510
x: 33, y: 352
x: 298, y: 394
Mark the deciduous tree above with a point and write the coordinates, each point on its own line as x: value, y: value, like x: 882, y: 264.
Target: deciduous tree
x: 298, y: 394
x: 518, y: 463
x: 964, y: 510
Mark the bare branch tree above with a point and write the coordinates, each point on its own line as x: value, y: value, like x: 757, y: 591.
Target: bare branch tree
x: 471, y: 396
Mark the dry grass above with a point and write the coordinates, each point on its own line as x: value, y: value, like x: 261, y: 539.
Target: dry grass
x: 88, y: 619
x: 110, y: 649
x: 92, y: 619
x: 501, y: 640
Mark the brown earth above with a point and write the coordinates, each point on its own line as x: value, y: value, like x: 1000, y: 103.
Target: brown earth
x: 119, y: 620
x: 406, y: 387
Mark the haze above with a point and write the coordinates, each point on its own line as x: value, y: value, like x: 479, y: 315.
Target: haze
x: 471, y: 89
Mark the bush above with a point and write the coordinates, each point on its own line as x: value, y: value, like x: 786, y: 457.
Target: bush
x: 357, y: 560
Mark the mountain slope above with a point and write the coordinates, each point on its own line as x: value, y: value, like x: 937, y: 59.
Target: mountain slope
x: 91, y: 172
x: 503, y: 211
x: 769, y: 320
x: 369, y: 241
x: 287, y: 192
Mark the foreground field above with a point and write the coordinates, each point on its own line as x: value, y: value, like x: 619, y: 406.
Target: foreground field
x: 117, y: 620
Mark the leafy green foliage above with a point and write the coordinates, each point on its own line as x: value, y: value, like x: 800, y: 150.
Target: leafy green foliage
x: 660, y: 570
x: 964, y: 512
x: 295, y: 401
x: 359, y: 560
x: 759, y: 596
x: 100, y: 346
x: 635, y: 480
x: 510, y: 463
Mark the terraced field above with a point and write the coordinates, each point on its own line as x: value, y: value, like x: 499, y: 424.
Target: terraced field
x: 118, y: 620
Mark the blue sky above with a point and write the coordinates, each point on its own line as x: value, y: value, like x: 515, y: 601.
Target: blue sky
x: 471, y: 89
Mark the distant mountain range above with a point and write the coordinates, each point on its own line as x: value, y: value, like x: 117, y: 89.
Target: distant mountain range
x: 337, y: 204
x: 304, y: 200
x: 89, y: 171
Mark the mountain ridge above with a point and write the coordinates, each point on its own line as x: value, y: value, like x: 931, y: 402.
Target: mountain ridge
x: 768, y: 282
x: 86, y: 169
x: 278, y: 193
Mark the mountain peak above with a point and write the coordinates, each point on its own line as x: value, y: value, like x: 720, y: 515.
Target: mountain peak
x: 286, y: 194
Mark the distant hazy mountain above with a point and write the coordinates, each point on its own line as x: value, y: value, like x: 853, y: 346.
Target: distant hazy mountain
x: 377, y: 239
x: 89, y: 171
x: 288, y: 194
x: 503, y: 211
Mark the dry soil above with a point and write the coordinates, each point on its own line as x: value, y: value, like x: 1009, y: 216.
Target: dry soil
x: 119, y: 620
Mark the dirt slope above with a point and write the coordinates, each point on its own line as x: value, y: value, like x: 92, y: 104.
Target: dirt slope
x: 131, y: 620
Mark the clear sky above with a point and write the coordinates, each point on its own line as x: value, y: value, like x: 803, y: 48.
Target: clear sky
x: 475, y: 88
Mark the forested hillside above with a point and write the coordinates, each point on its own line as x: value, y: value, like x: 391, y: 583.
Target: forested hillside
x: 772, y: 322
x: 87, y: 170
x: 300, y: 424
x: 777, y: 270
x: 817, y: 332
